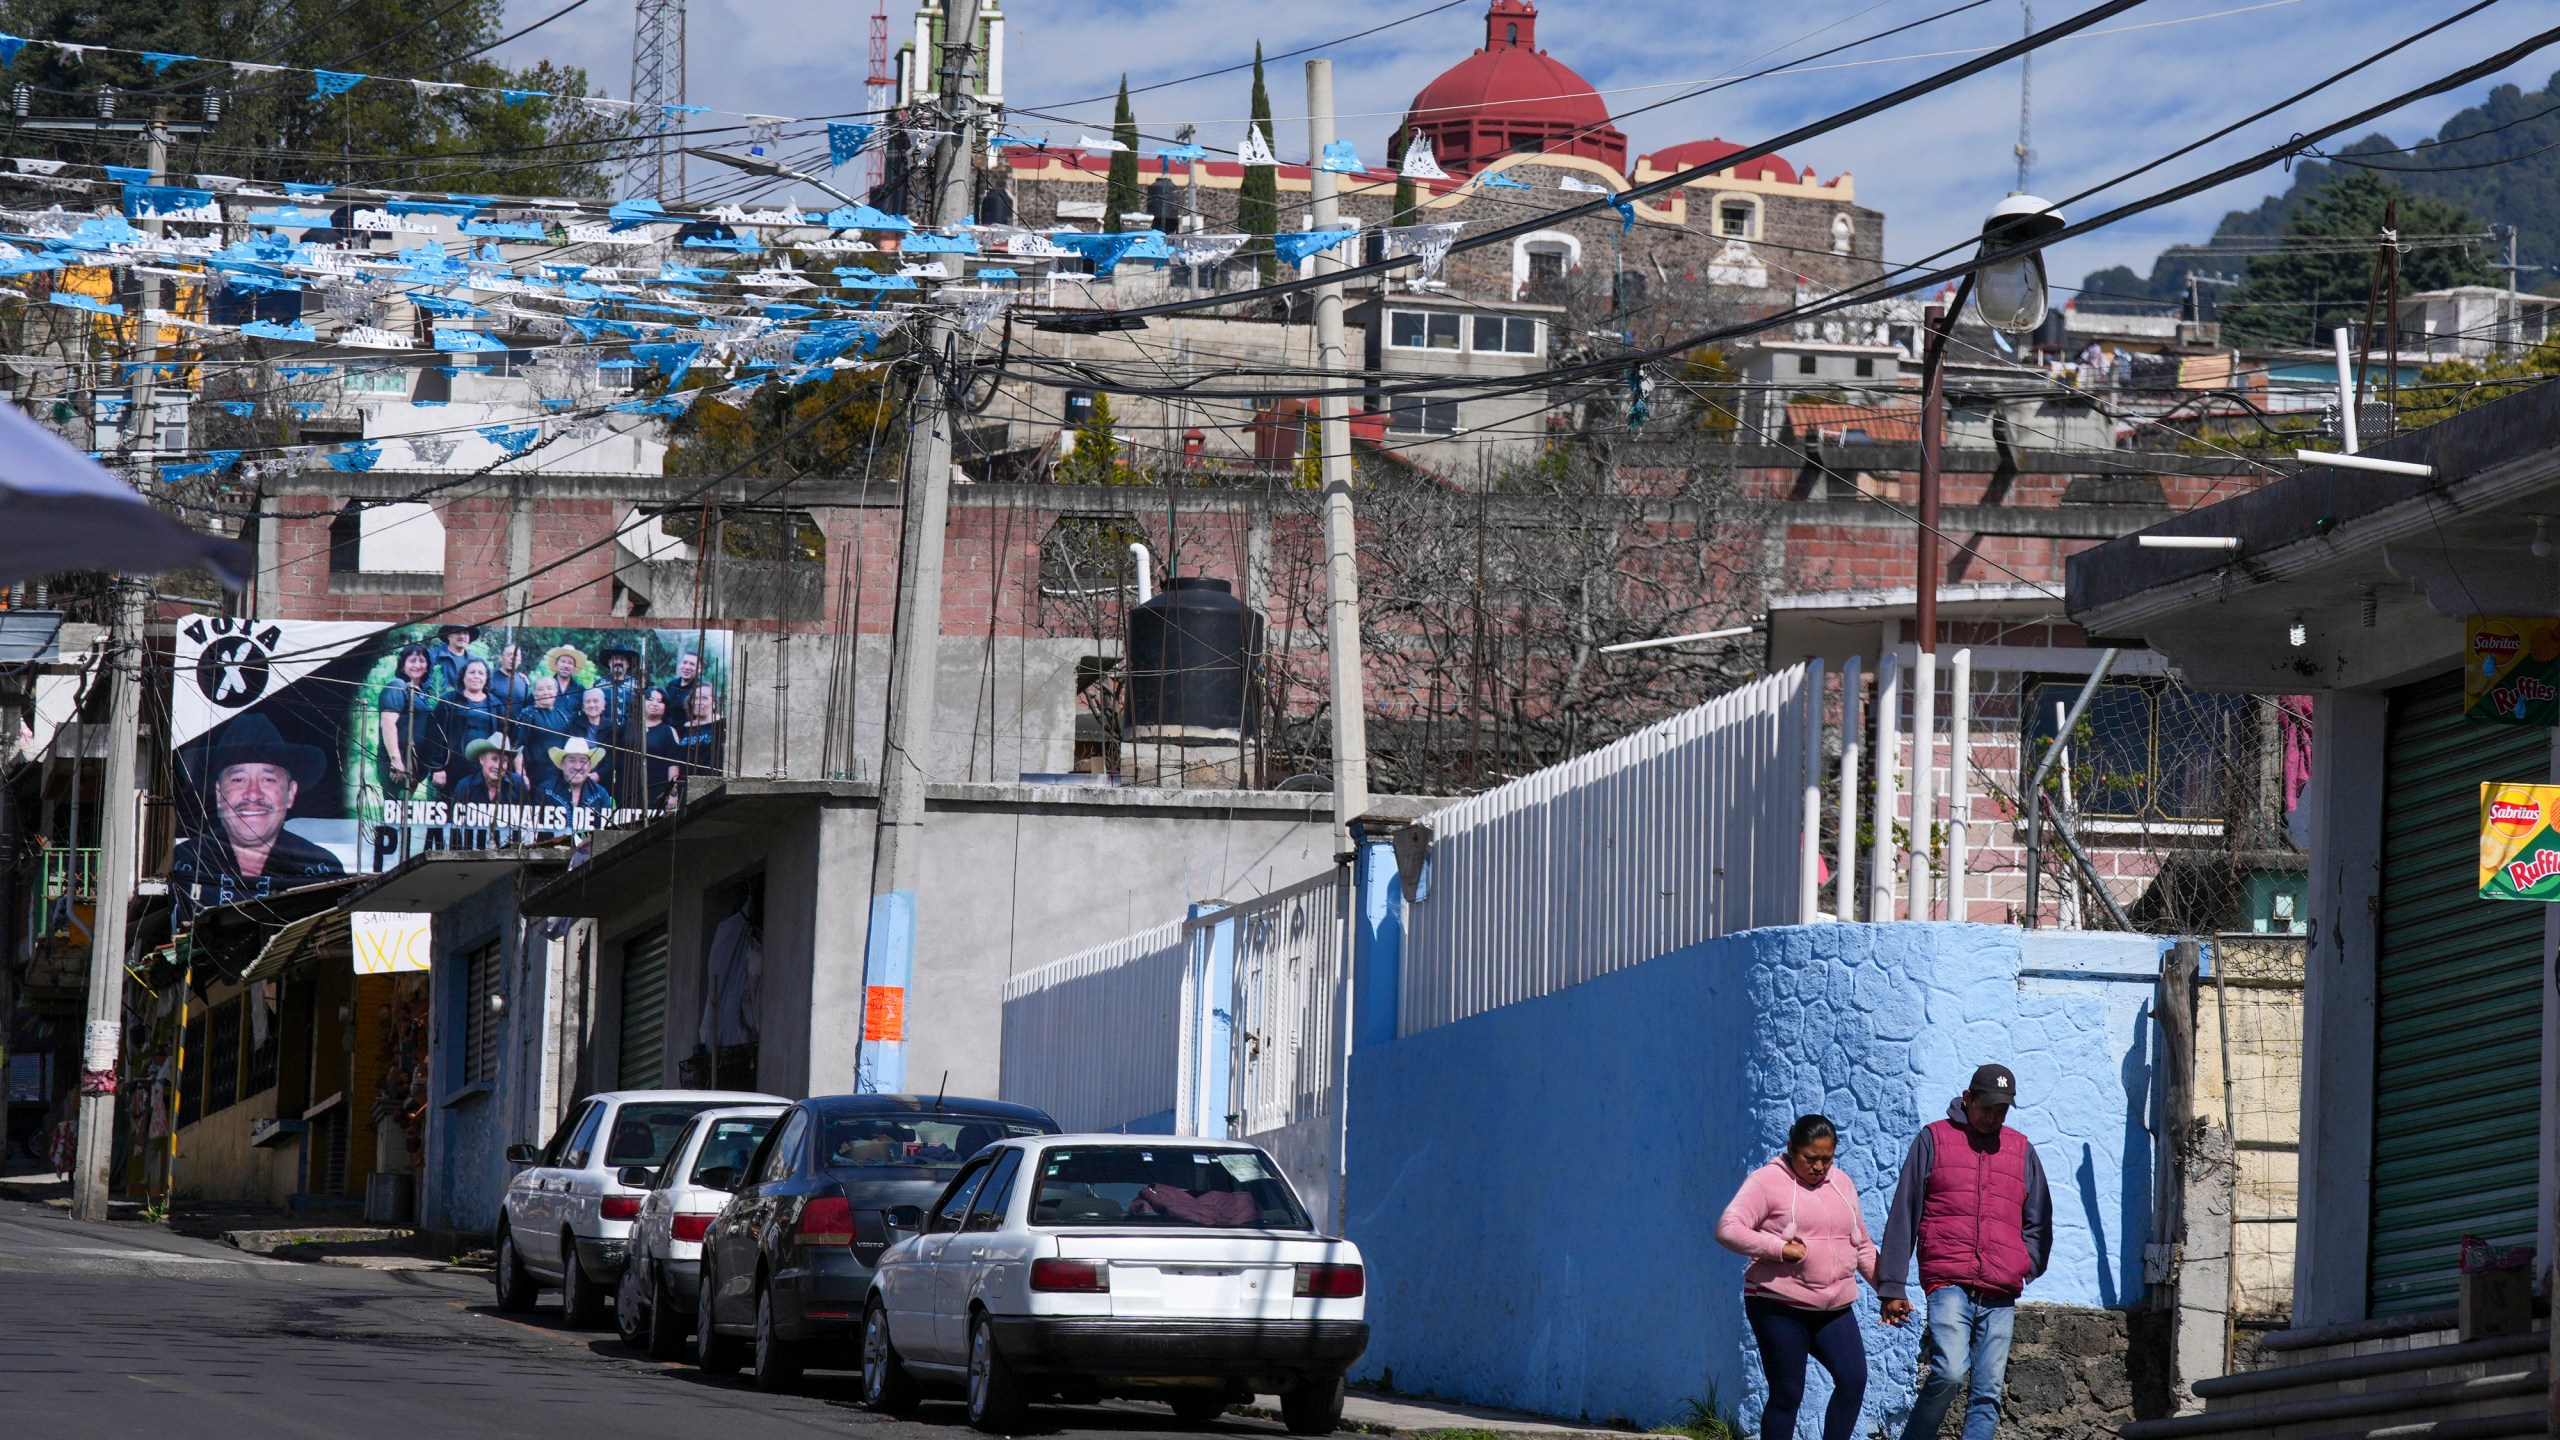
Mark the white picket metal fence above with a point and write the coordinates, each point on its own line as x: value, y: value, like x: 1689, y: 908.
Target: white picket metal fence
x: 1289, y: 961
x: 1700, y: 826
x: 1096, y: 1039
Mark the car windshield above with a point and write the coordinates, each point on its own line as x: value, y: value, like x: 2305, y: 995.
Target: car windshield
x: 729, y: 1144
x: 1171, y: 1185
x: 912, y: 1142
x: 645, y: 1130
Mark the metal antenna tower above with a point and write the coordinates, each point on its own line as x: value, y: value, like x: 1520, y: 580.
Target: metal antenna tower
x: 656, y: 166
x: 883, y: 93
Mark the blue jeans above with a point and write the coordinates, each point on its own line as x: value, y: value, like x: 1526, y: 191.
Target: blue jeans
x: 1967, y: 1349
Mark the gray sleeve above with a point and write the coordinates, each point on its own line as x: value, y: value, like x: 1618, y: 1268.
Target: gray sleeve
x: 2035, y: 1220
x: 1902, y: 1220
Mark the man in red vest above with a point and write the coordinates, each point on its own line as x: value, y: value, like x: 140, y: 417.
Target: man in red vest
x: 1973, y: 1201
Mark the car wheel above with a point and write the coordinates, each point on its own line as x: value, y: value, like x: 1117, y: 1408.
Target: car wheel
x: 1199, y: 1407
x: 515, y: 1287
x: 996, y: 1402
x: 716, y: 1353
x: 666, y: 1327
x: 1313, y: 1406
x: 631, y: 1309
x: 887, y: 1388
x: 581, y: 1299
x: 778, y: 1361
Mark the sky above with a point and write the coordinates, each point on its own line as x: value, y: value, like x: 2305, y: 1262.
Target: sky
x: 2172, y: 72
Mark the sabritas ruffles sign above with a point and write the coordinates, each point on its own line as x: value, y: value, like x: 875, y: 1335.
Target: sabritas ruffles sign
x: 2519, y: 849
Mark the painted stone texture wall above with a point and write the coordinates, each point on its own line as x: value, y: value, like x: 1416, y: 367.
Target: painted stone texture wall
x: 1552, y: 1170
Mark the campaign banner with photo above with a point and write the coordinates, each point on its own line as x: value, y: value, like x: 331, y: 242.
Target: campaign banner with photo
x: 308, y: 750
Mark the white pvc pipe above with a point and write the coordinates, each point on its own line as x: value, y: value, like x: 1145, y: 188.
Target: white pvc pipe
x: 2189, y: 542
x: 1844, y: 859
x: 1959, y: 778
x: 2365, y: 462
x: 1146, y: 568
x: 1623, y: 648
x: 1924, y: 756
x: 1809, y: 853
x: 2346, y: 393
x: 1880, y: 875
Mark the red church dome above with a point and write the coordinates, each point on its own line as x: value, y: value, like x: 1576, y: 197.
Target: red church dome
x: 1708, y: 152
x: 1512, y: 96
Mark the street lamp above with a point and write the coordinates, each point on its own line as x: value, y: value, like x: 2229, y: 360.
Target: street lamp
x: 758, y: 165
x: 2009, y: 294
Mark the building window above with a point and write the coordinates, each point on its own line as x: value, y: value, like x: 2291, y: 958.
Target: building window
x: 346, y: 540
x: 1629, y: 290
x: 191, y: 1068
x: 261, y: 1004
x: 1414, y: 415
x: 222, y: 1057
x: 1805, y: 364
x: 1546, y: 267
x: 1738, y: 219
x: 1866, y: 367
x: 1843, y: 233
x: 2144, y: 753
x: 1422, y: 330
x: 480, y: 1020
x: 1505, y: 334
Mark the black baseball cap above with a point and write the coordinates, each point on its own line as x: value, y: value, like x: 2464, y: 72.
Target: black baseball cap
x: 1994, y: 1083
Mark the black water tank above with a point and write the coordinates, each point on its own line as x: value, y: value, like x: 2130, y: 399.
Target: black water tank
x: 1194, y: 660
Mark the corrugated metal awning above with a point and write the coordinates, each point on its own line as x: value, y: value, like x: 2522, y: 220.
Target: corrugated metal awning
x: 313, y: 937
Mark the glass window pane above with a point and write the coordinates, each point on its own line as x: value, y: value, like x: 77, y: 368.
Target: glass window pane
x: 1488, y: 334
x: 1444, y: 332
x: 1523, y: 338
x: 1404, y: 327
x: 988, y: 1212
x: 729, y: 1144
x: 2207, y: 753
x: 1172, y: 1185
x: 644, y: 1133
x: 2109, y: 769
x: 958, y: 1205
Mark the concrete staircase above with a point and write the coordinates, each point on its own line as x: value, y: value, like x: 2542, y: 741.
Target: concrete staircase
x: 2411, y: 1377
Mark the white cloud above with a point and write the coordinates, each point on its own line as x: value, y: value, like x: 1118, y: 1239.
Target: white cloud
x: 2102, y: 103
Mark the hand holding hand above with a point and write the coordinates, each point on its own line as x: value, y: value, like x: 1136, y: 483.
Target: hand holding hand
x: 1793, y: 1252
x: 1896, y: 1312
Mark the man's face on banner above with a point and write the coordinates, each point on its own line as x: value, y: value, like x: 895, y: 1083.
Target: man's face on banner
x: 546, y: 692
x: 618, y: 667
x: 575, y: 765
x: 253, y: 801
x: 688, y: 666
x: 509, y: 659
x: 565, y: 666
x: 492, y: 765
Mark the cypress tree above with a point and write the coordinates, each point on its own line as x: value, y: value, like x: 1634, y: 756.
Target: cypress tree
x: 1405, y: 198
x: 1258, y: 202
x: 1121, y: 196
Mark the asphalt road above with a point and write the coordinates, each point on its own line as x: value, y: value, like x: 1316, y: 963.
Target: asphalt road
x: 123, y: 1330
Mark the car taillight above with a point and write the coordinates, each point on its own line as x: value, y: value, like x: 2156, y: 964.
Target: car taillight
x: 826, y: 1220
x: 622, y: 1207
x: 1332, y: 1282
x: 691, y: 1228
x: 1084, y: 1276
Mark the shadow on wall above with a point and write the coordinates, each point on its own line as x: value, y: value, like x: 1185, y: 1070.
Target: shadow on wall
x: 1552, y: 1170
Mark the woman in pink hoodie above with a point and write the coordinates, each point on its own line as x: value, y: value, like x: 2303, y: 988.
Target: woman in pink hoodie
x: 1797, y: 1217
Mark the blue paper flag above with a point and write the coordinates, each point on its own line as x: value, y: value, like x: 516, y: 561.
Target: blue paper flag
x: 846, y: 141
x: 82, y: 302
x: 305, y: 188
x: 270, y: 330
x: 1294, y: 246
x: 1184, y: 153
x: 505, y: 229
x: 863, y: 217
x: 161, y: 60
x: 241, y: 408
x: 1340, y: 159
x: 636, y: 211
x: 304, y: 372
x: 163, y: 199
x: 514, y: 442
x: 325, y: 83
x: 675, y: 360
x: 465, y: 341
x: 356, y: 458
x: 129, y: 174
x: 668, y: 113
x: 1626, y: 213
x: 518, y: 97
x: 1104, y: 251
x: 1503, y: 182
x: 10, y: 45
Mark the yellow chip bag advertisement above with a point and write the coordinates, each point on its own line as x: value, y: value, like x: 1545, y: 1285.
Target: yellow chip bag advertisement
x: 2519, y: 849
x: 2511, y: 670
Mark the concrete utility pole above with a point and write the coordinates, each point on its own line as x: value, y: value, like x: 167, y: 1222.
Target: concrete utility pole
x: 897, y: 862
x: 1341, y: 567
x: 102, y: 1037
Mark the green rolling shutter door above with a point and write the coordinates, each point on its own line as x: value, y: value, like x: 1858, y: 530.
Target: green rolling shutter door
x: 2458, y: 1022
x: 644, y: 1013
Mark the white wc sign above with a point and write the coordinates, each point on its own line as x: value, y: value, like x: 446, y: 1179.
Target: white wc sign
x: 390, y: 942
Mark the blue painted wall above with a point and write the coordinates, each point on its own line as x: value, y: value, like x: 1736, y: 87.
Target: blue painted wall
x: 466, y: 1166
x: 1536, y: 1188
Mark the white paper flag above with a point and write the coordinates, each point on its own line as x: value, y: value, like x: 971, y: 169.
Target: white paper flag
x: 1420, y: 163
x: 1256, y: 151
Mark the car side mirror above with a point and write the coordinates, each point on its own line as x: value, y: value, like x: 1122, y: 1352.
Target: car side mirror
x: 718, y: 1177
x: 521, y: 1153
x: 639, y: 1177
x: 905, y: 1219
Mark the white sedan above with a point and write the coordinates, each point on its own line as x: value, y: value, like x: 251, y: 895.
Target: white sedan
x: 654, y: 1307
x: 1085, y: 1266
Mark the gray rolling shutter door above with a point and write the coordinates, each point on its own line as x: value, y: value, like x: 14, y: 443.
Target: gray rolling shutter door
x: 2458, y: 1020
x: 644, y: 1013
